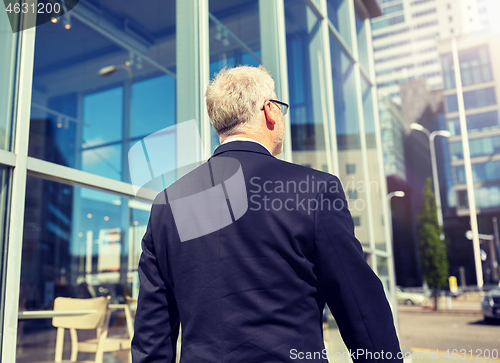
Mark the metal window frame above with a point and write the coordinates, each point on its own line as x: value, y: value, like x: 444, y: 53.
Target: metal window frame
x: 18, y: 192
x: 274, y: 59
x: 388, y: 253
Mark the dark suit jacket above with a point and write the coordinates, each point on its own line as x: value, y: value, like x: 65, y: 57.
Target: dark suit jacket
x: 255, y: 289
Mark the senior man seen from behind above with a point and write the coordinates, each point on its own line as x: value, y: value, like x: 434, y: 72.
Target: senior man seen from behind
x: 245, y: 250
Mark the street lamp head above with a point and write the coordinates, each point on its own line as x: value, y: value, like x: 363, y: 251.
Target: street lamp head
x: 444, y: 133
x: 399, y: 194
x: 415, y: 126
x: 106, y: 71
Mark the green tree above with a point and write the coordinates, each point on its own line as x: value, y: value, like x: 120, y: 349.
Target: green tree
x: 433, y: 250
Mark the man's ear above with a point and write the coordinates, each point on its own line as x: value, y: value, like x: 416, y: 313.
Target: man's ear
x: 269, y: 113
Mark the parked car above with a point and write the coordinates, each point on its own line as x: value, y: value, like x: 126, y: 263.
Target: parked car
x: 407, y: 297
x: 491, y: 306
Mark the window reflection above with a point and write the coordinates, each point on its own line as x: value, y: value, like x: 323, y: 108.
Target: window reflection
x: 383, y: 273
x: 344, y: 98
x: 102, y: 138
x: 4, y: 193
x: 362, y: 43
x: 481, y: 172
x: 103, y: 84
x: 338, y: 14
x: 348, y: 136
x: 8, y: 45
x: 306, y: 86
x: 374, y: 168
x: 475, y: 123
x: 78, y: 243
x: 474, y: 67
x: 478, y: 147
x: 234, y: 38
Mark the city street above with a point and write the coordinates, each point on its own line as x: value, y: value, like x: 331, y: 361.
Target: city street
x: 420, y: 331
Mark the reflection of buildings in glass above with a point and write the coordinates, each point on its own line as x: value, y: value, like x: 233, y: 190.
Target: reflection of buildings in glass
x: 393, y: 128
x: 234, y: 38
x: 405, y: 39
x: 108, y: 255
x: 423, y: 106
x: 47, y: 228
x: 86, y: 122
x: 71, y: 86
x: 306, y: 115
x: 480, y: 80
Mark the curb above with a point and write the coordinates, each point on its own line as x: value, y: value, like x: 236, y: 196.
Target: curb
x: 442, y: 311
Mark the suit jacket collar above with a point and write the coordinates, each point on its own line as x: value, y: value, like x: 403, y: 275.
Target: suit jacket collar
x: 248, y: 146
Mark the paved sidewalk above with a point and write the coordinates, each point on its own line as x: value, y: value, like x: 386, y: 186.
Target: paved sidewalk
x: 471, y: 305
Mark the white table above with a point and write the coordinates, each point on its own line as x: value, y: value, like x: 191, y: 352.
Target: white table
x: 48, y: 314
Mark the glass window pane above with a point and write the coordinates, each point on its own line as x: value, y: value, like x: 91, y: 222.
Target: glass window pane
x: 348, y: 136
x: 481, y: 172
x: 338, y: 13
x: 454, y: 126
x: 392, y: 9
x: 483, y: 121
x: 448, y: 71
x: 78, y: 243
x: 475, y: 65
x: 383, y: 273
x: 234, y: 38
x: 362, y: 44
x: 451, y: 103
x: 153, y: 105
x: 8, y: 47
x: 374, y: 168
x: 382, y: 23
x: 344, y: 98
x: 488, y: 196
x: 99, y: 87
x: 456, y: 150
x: 480, y: 98
x: 304, y: 47
x: 4, y: 199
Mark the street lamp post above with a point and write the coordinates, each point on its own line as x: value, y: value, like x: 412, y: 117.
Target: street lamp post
x: 398, y: 194
x: 467, y: 165
x: 394, y: 302
x: 432, y: 136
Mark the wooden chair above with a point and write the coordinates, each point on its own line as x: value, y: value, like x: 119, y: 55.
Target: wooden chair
x: 98, y: 321
x: 131, y: 304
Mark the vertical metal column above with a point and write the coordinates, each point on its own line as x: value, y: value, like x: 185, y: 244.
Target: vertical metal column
x: 15, y: 238
x: 330, y: 126
x: 192, y: 76
x: 382, y: 179
x: 362, y: 132
x: 467, y: 166
x: 124, y: 207
x: 274, y: 59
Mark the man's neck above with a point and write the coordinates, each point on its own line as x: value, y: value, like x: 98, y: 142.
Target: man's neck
x: 245, y: 138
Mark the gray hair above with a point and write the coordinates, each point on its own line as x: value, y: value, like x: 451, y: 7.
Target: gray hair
x: 236, y: 96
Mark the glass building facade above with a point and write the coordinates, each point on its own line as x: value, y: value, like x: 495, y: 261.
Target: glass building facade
x: 479, y: 77
x: 79, y: 91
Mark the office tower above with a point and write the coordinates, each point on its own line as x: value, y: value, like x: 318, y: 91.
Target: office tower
x: 404, y: 39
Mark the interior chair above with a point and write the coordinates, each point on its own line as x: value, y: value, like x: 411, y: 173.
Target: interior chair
x: 130, y: 308
x: 98, y: 321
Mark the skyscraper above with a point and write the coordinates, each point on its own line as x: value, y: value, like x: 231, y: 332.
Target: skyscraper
x: 404, y: 39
